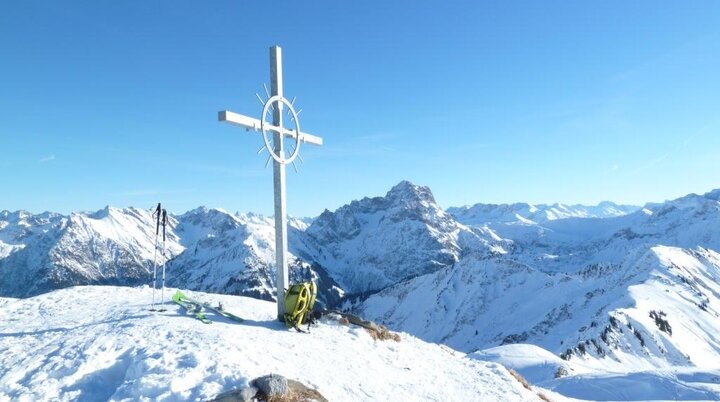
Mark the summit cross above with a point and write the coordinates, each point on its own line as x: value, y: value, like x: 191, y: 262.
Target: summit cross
x: 275, y: 103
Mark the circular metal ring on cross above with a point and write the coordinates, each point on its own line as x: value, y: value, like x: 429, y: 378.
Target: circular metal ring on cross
x: 280, y: 158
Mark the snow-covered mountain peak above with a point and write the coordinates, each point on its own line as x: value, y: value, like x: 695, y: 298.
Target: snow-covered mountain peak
x: 409, y: 201
x: 404, y: 201
x: 99, y: 214
x: 211, y: 217
x: 251, y: 216
x: 524, y: 213
x: 704, y: 202
x: 372, y: 243
x: 115, y: 213
x: 204, y: 211
x: 21, y: 217
x: 6, y: 214
x: 690, y: 201
x: 202, y: 223
x: 409, y: 193
x: 713, y: 195
x: 199, y: 210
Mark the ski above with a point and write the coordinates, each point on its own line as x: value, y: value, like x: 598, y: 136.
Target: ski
x: 191, y: 307
x: 223, y: 313
x: 219, y: 310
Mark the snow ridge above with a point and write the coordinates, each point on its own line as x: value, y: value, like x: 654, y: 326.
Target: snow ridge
x: 480, y: 214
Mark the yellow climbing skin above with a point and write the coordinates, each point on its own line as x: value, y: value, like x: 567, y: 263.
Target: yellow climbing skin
x: 299, y: 302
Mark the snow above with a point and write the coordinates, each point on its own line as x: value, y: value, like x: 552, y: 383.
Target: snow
x: 540, y: 367
x: 477, y: 304
x: 7, y: 249
x: 640, y: 386
x: 486, y: 280
x: 101, y: 342
x: 532, y: 362
x: 480, y: 214
x: 376, y: 242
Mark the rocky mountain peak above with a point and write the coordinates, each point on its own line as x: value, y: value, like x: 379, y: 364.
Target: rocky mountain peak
x: 405, y: 201
x: 407, y: 192
x: 15, y: 216
x: 713, y: 195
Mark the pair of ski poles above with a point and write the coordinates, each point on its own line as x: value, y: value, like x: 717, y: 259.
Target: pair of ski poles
x: 160, y: 216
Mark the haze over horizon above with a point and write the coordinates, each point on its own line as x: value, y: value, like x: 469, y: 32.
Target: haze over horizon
x: 445, y: 207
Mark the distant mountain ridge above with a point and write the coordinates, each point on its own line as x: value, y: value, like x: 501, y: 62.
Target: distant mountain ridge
x: 359, y: 248
x: 48, y: 251
x: 479, y: 214
x: 606, y: 292
x: 579, y: 278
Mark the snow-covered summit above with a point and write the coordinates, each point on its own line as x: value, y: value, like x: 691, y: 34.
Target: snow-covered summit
x: 411, y: 194
x: 102, y: 343
x: 713, y: 195
x: 375, y: 242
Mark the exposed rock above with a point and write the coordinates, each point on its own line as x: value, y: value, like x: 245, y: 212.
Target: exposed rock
x: 272, y: 388
x: 272, y: 385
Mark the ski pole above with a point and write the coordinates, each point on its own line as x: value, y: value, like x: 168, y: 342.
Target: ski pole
x: 164, y: 225
x: 157, y: 233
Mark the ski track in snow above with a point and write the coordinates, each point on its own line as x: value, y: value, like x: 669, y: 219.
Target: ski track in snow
x: 101, y: 343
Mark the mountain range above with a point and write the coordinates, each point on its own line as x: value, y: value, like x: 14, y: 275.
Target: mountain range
x: 611, y: 287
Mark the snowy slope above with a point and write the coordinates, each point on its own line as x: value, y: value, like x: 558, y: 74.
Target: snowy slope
x: 532, y: 362
x: 602, y: 314
x: 653, y: 319
x: 100, y: 343
x: 573, y: 379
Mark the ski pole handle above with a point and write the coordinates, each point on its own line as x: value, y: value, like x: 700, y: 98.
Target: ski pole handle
x: 164, y: 222
x: 157, y: 214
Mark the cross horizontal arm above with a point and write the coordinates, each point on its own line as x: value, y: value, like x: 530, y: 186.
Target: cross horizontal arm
x: 254, y: 124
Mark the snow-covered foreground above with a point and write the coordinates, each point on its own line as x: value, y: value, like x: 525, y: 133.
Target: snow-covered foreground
x: 101, y: 342
x: 583, y: 381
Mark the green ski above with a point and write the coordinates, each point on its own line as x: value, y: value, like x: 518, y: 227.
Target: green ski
x: 190, y: 306
x: 223, y: 313
x: 219, y: 310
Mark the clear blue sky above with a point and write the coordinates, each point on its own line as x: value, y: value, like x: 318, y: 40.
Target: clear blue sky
x: 115, y: 102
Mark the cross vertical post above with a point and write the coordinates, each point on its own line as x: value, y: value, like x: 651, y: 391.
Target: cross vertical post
x: 281, y: 244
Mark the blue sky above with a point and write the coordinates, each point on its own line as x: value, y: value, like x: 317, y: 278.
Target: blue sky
x: 107, y: 102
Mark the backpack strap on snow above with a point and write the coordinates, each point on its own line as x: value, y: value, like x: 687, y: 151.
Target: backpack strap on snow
x: 299, y: 303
